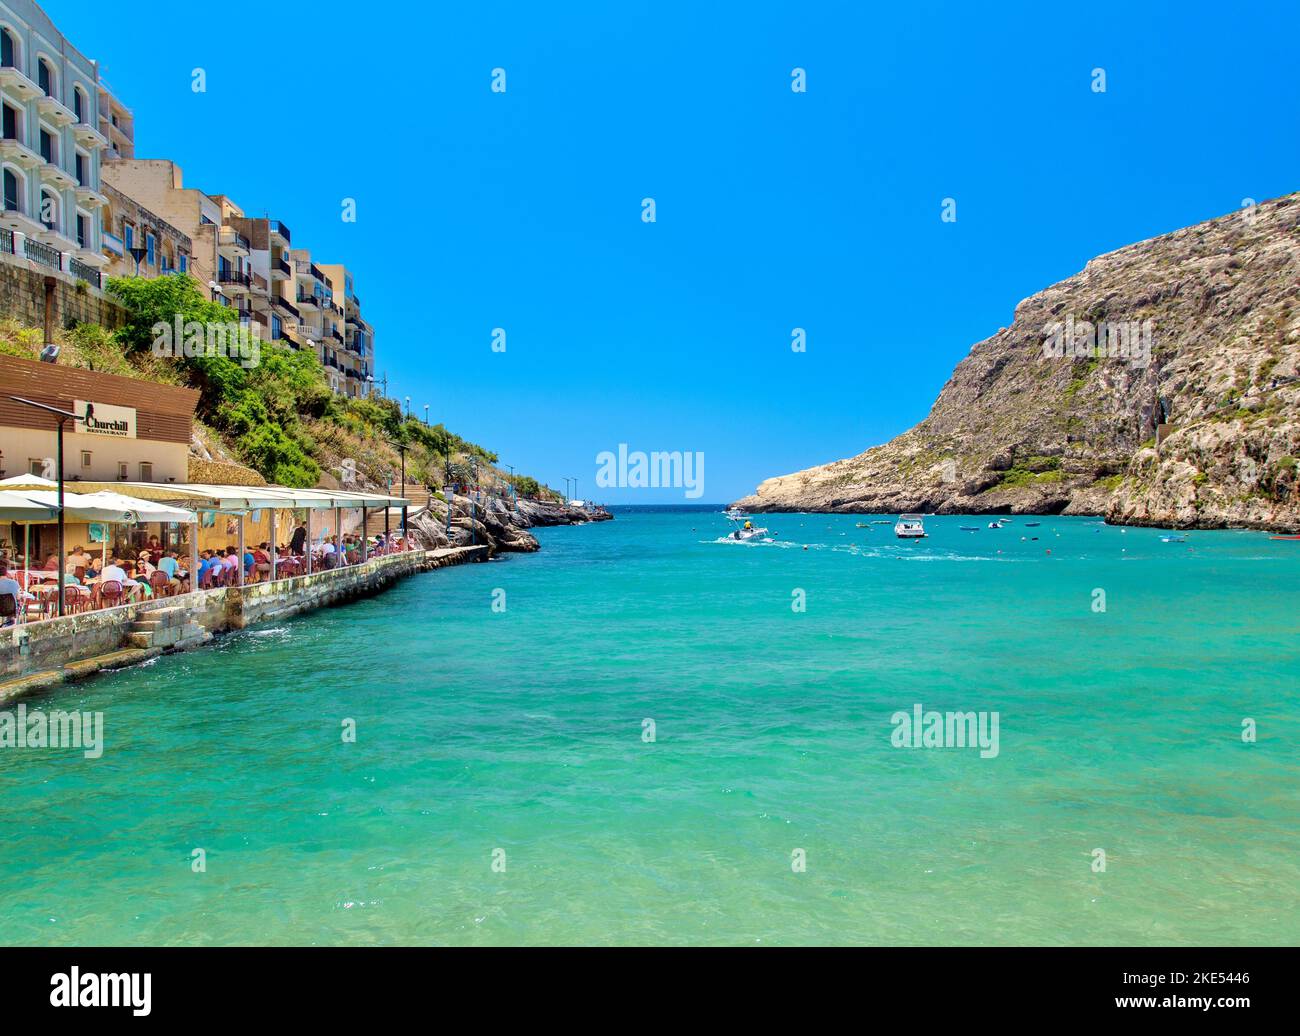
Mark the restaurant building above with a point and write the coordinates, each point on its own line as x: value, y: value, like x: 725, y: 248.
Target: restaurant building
x: 138, y: 431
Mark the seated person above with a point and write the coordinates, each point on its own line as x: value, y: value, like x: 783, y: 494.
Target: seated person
x: 168, y: 566
x: 9, y: 588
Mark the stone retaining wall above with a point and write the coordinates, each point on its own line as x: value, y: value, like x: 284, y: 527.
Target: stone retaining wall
x: 22, y: 297
x: 38, y: 646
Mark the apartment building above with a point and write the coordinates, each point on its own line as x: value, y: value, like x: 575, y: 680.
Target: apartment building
x: 116, y: 123
x: 138, y: 242
x: 50, y: 148
x: 355, y: 360
x: 158, y: 185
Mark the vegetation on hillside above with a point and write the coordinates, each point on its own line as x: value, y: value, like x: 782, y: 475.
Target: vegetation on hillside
x: 277, y: 415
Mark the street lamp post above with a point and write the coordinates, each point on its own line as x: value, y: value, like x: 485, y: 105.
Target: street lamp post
x: 401, y: 448
x: 426, y: 415
x: 62, y: 416
x: 408, y: 408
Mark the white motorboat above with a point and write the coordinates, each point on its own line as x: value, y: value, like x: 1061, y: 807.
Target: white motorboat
x: 746, y: 532
x: 735, y: 514
x: 910, y: 527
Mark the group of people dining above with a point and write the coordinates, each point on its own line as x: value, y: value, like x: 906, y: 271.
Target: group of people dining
x: 89, y: 581
x: 104, y: 580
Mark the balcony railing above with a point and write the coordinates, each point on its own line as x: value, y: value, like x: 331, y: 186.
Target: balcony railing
x: 279, y: 228
x: 7, y: 241
x: 234, y: 237
x: 283, y: 267
x: 113, y: 243
x: 42, y: 253
x: 287, y: 306
x: 234, y: 277
x: 85, y: 271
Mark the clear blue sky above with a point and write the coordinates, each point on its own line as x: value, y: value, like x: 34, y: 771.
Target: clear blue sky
x: 775, y: 210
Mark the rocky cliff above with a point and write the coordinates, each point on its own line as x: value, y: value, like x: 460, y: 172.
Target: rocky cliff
x: 1158, y: 386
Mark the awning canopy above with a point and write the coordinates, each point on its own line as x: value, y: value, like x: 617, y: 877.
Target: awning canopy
x: 202, y: 497
x: 253, y: 498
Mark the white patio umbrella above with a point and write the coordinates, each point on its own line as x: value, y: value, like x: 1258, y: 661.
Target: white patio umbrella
x: 144, y: 510
x: 16, y: 507
x: 29, y: 482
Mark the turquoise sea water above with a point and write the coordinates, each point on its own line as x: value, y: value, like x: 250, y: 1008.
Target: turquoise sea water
x: 522, y: 731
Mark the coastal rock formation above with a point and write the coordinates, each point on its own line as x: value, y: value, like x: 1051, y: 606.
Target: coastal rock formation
x: 495, y: 523
x: 1158, y: 386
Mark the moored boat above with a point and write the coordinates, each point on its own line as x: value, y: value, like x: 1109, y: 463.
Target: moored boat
x: 910, y: 527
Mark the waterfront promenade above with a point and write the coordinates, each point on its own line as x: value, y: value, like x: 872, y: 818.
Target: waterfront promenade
x: 38, y: 656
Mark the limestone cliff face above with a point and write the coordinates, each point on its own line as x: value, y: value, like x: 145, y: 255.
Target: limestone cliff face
x: 1186, y: 411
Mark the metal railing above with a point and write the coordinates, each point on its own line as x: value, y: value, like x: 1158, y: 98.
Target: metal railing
x: 85, y: 271
x: 286, y: 305
x: 233, y: 277
x: 42, y: 253
x: 279, y: 228
x: 7, y: 241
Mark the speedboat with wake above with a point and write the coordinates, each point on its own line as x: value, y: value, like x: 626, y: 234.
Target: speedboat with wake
x: 747, y: 532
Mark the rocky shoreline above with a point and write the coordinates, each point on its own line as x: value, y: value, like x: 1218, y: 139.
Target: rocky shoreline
x: 1193, y: 424
x: 495, y: 523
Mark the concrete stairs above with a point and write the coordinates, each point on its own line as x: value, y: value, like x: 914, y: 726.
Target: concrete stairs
x: 166, y: 629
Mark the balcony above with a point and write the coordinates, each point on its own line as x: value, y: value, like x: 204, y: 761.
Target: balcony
x: 231, y: 238
x: 89, y: 197
x: 17, y: 83
x: 280, y: 270
x: 279, y: 230
x: 309, y: 301
x: 85, y: 272
x: 89, y: 137
x: 113, y: 244
x: 39, y: 252
x: 14, y: 150
x: 287, y: 306
x: 56, y: 175
x: 56, y: 111
x: 236, y: 281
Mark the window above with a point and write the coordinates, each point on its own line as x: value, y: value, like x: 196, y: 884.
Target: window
x: 7, y: 49
x: 146, y: 471
x: 82, y: 167
x: 83, y: 231
x: 79, y: 104
x: 149, y: 243
x: 121, y: 470
x: 128, y: 235
x: 184, y: 263
x: 277, y: 328
x: 47, y: 147
x: 44, y: 77
x: 35, y: 466
x: 11, y: 122
x: 13, y: 196
x: 49, y: 214
x: 85, y: 458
